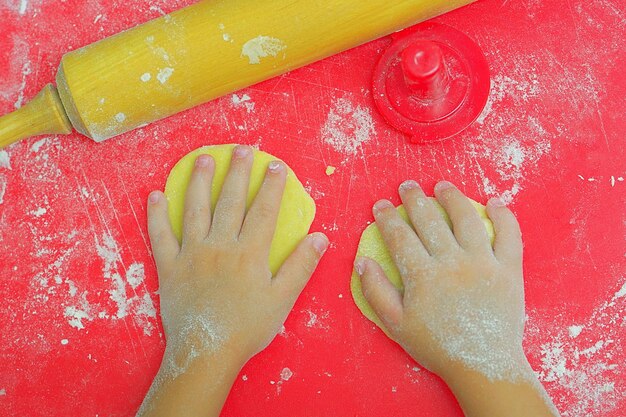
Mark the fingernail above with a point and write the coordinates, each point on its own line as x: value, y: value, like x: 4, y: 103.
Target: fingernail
x: 320, y: 243
x: 203, y: 161
x: 408, y: 185
x: 360, y: 265
x: 443, y: 185
x: 241, y: 152
x: 275, y: 167
x: 496, y: 202
x: 382, y: 205
x: 154, y: 197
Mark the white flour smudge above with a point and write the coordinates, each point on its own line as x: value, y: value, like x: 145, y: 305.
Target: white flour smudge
x: 317, y: 320
x: 3, y: 188
x: 146, y: 77
x: 262, y: 47
x: 585, y: 378
x: 5, y: 160
x: 3, y: 391
x: 347, y: 126
x: 129, y: 301
x: 165, y: 74
x: 23, y: 7
x: 243, y: 101
x: 26, y: 71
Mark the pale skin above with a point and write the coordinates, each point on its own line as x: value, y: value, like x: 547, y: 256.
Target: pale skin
x: 436, y: 263
x: 220, y: 304
x: 220, y: 275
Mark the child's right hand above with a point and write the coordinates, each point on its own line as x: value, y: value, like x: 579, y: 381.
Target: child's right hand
x: 461, y: 314
x: 463, y: 300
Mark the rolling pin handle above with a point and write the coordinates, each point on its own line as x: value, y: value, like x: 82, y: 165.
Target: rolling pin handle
x: 43, y: 115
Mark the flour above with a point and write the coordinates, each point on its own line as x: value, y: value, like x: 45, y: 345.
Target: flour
x: 3, y: 392
x: 3, y: 188
x: 75, y: 315
x: 286, y: 374
x: 244, y: 101
x: 574, y: 331
x: 585, y: 377
x: 511, y: 158
x: 145, y: 77
x: 347, y: 127
x: 23, y: 7
x: 317, y: 320
x: 125, y: 291
x: 262, y: 47
x: 36, y: 147
x: 165, y: 74
x: 26, y: 71
x: 5, y: 160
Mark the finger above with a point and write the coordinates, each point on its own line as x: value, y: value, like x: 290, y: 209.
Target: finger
x: 384, y: 298
x: 231, y: 205
x: 405, y: 247
x: 508, y: 245
x: 467, y: 226
x: 165, y: 246
x: 197, y: 217
x: 260, y: 222
x: 299, y: 266
x: 427, y: 219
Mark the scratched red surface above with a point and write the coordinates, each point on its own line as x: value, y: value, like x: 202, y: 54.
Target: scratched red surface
x: 77, y: 281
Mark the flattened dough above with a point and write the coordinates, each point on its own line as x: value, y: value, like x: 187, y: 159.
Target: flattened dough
x: 296, y: 212
x: 372, y: 246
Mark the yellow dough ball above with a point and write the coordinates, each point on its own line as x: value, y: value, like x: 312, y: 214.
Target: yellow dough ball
x: 296, y: 212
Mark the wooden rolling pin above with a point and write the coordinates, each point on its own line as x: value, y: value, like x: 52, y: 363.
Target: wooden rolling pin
x: 199, y: 53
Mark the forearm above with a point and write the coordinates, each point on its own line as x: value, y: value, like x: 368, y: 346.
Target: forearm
x: 480, y: 397
x: 191, y: 386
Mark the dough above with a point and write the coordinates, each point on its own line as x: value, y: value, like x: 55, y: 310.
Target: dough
x: 296, y: 212
x: 372, y: 246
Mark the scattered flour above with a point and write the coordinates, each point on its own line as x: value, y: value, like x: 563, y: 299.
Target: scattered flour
x: 3, y: 188
x: 347, y: 126
x: 23, y: 7
x: 36, y: 147
x: 39, y: 212
x: 5, y: 160
x: 584, y: 378
x: 262, y: 47
x: 165, y: 74
x: 243, y: 101
x: 64, y: 342
x: 286, y: 374
x: 125, y: 291
x: 574, y: 331
x: 146, y: 77
x: 26, y: 71
x: 317, y: 320
x: 120, y: 117
x: 3, y: 391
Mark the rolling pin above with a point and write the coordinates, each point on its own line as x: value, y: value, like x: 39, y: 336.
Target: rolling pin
x: 197, y: 54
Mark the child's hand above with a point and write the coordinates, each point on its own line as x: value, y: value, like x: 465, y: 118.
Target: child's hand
x: 220, y: 304
x: 217, y: 291
x: 463, y: 300
x: 462, y: 311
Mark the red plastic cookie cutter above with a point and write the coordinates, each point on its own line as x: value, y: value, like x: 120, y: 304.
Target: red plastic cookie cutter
x: 431, y: 83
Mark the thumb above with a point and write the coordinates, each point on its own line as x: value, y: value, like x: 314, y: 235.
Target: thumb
x: 295, y: 272
x: 380, y: 293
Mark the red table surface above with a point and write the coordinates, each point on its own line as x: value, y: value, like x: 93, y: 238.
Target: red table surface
x: 79, y: 335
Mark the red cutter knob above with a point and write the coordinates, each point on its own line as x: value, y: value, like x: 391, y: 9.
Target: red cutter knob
x: 432, y: 82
